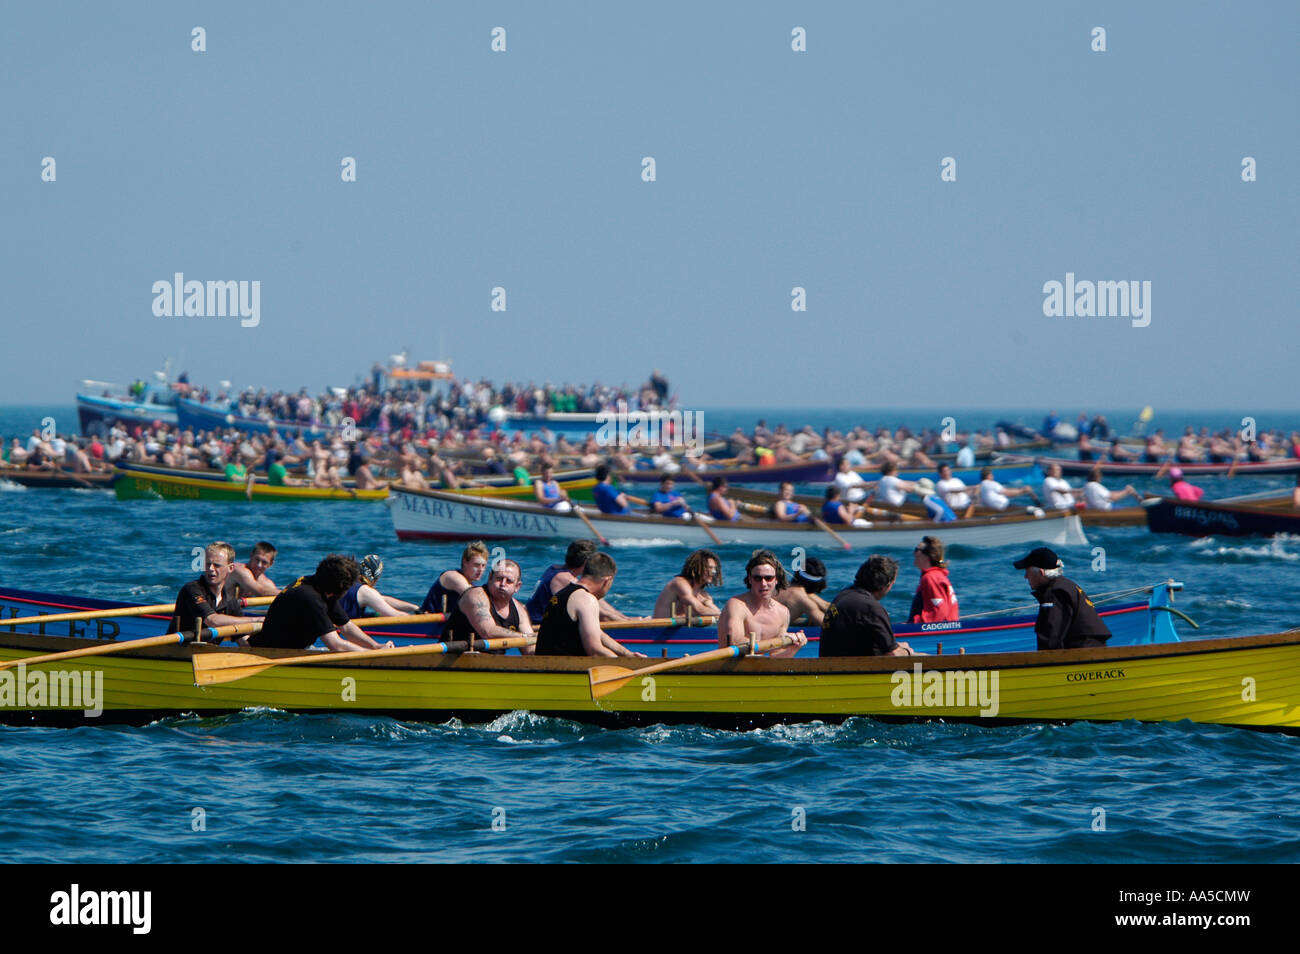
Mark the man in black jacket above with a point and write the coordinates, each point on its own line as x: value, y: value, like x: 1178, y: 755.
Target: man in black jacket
x: 856, y: 624
x: 1067, y: 619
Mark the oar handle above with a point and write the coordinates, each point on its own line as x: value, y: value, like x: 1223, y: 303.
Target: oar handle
x: 214, y: 634
x: 152, y: 610
x: 660, y: 622
x: 169, y: 638
x: 366, y: 621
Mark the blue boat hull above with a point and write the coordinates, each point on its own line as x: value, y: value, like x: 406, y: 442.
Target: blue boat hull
x: 97, y: 414
x: 1131, y: 624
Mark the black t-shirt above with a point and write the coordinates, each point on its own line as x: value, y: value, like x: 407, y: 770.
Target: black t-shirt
x: 193, y: 603
x: 1066, y: 617
x: 558, y: 634
x: 298, y: 617
x: 856, y: 625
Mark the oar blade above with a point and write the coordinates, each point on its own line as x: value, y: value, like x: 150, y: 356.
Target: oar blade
x: 607, y: 679
x: 214, y: 669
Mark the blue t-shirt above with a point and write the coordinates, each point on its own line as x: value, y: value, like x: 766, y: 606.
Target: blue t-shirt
x: 677, y: 511
x: 607, y: 499
x: 831, y: 511
x: 536, y: 605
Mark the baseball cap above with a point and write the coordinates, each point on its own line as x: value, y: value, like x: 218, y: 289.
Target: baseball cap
x: 1042, y: 557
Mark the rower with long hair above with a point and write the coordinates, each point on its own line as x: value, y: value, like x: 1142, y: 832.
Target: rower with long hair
x: 686, y: 590
x: 756, y: 612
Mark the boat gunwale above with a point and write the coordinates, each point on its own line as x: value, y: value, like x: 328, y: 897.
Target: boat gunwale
x: 763, y: 666
x: 645, y: 519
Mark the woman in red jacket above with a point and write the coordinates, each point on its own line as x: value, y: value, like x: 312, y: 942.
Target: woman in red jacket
x: 935, y: 601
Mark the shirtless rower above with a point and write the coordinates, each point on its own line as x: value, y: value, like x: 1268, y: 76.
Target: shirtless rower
x: 446, y: 589
x: 686, y: 591
x: 803, y: 596
x: 410, y: 476
x: 571, y: 624
x: 491, y: 611
x: 251, y: 577
x: 756, y: 612
x: 362, y: 595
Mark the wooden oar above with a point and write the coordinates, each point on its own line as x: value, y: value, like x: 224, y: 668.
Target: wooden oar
x: 157, y: 608
x: 590, y: 526
x: 607, y: 679
x: 660, y: 622
x: 821, y: 525
x: 364, y: 621
x: 703, y: 525
x: 169, y: 639
x: 212, y: 669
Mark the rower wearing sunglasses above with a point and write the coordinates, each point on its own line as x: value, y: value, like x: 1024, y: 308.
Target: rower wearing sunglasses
x: 756, y: 612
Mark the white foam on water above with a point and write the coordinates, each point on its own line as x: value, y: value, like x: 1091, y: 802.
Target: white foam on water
x: 9, y: 485
x: 1274, y: 549
x: 14, y: 530
x: 144, y: 590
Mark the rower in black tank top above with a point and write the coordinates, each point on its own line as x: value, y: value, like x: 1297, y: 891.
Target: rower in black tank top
x: 558, y: 635
x: 458, y: 627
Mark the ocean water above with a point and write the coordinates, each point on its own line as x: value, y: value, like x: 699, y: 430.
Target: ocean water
x: 272, y: 786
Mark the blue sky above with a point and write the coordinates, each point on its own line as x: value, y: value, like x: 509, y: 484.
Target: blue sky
x: 775, y: 169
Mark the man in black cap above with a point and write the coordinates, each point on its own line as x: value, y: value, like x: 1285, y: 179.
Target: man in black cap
x: 1067, y: 619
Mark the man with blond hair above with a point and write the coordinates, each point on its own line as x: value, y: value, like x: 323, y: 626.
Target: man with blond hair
x: 450, y: 584
x: 212, y: 599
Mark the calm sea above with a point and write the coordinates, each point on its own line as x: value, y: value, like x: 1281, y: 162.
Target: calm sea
x: 279, y: 787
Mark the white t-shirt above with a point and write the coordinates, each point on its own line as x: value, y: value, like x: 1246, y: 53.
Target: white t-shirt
x: 891, y: 491
x: 1096, y: 496
x: 953, y: 491
x: 991, y: 495
x: 966, y: 457
x: 850, y: 485
x: 1056, y: 491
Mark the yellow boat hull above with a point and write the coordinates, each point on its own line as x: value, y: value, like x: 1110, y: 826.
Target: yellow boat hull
x: 1246, y: 681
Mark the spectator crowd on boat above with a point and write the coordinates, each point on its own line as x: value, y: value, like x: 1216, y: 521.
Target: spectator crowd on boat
x: 386, y: 403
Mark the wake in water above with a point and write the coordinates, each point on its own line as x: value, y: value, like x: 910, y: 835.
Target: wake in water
x: 1274, y: 550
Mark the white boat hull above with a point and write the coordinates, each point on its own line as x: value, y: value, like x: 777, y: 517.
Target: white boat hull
x: 431, y: 515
